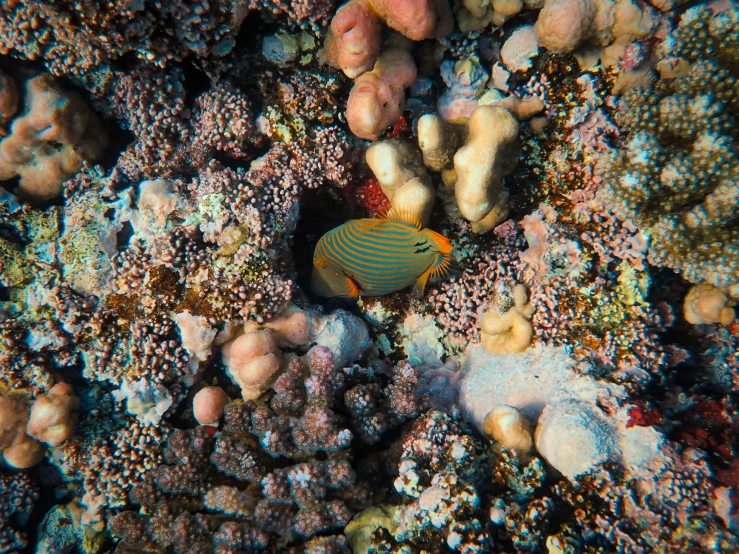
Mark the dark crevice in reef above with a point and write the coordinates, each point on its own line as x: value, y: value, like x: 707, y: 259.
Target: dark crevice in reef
x: 118, y: 140
x: 196, y: 82
x: 320, y: 211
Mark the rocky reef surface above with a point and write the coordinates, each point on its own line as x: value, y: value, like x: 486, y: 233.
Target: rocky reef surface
x: 566, y: 381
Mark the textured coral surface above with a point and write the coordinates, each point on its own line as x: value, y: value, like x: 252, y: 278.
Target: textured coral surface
x: 566, y: 382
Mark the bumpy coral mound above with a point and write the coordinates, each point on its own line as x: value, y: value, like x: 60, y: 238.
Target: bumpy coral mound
x: 378, y: 96
x: 19, y: 450
x: 208, y: 405
x: 678, y: 173
x: 489, y: 153
x: 53, y: 416
x: 473, y: 159
x: 508, y: 332
x: 50, y: 140
x: 253, y: 361
x: 564, y: 25
x: 706, y: 304
x: 353, y: 42
x: 400, y: 173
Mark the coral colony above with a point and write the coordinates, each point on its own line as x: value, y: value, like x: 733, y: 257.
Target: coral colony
x: 380, y: 277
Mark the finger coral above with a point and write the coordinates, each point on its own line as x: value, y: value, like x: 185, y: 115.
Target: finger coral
x: 51, y: 138
x: 402, y: 177
x: 677, y: 174
x: 508, y: 332
x: 377, y: 98
x: 473, y: 159
x: 353, y: 43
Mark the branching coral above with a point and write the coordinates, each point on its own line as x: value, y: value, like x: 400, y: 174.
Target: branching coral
x: 242, y: 476
x: 678, y: 172
x: 18, y: 497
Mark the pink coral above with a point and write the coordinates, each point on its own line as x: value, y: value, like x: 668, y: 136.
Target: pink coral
x: 49, y: 141
x: 54, y: 415
x: 353, y: 43
x: 208, y: 405
x: 378, y: 97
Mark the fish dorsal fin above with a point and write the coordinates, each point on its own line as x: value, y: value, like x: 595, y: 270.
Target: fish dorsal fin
x: 406, y: 216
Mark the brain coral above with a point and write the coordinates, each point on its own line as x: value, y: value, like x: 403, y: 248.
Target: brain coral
x: 677, y: 175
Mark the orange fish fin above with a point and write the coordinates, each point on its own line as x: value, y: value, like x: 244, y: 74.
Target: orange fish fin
x: 367, y: 223
x: 406, y: 216
x: 441, y: 269
x: 420, y: 285
x: 353, y: 287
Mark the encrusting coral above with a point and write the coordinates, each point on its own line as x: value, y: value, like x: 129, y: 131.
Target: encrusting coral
x: 475, y: 15
x: 49, y: 141
x: 678, y: 173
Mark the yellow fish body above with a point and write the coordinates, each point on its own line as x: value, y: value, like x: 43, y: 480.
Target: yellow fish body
x: 377, y: 256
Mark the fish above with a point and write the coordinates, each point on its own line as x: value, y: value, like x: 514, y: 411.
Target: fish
x: 377, y: 256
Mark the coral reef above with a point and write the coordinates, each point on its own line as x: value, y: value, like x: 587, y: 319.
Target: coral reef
x: 676, y: 175
x: 175, y: 381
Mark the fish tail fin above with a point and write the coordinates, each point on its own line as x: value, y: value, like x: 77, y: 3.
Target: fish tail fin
x: 438, y: 270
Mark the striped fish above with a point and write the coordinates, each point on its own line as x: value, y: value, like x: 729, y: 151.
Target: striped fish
x: 378, y: 256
